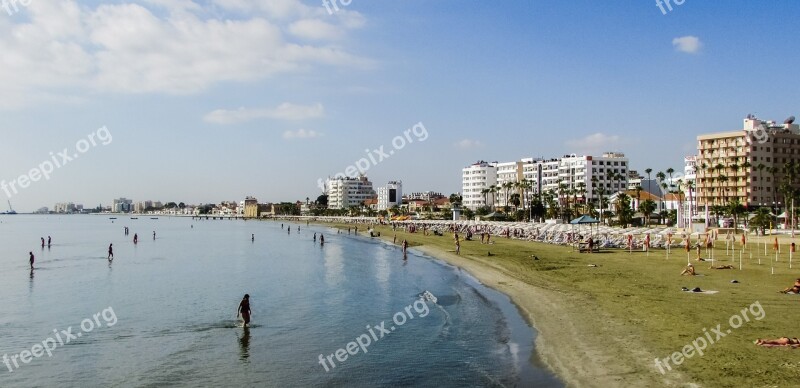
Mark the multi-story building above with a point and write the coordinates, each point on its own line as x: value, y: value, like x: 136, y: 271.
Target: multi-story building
x: 67, y: 208
x: 390, y: 195
x: 746, y: 165
x: 425, y: 196
x: 249, y: 207
x: 121, y: 205
x: 581, y: 175
x: 344, y: 192
x: 474, y: 179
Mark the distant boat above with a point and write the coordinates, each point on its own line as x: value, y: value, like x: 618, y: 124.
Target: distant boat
x: 112, y: 218
x: 153, y: 218
x: 10, y: 210
x: 134, y: 218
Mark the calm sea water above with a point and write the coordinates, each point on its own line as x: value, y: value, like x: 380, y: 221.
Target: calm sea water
x: 164, y: 312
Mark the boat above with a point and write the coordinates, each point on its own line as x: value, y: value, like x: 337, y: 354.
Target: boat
x: 112, y: 218
x: 429, y: 297
x: 134, y: 218
x: 10, y: 210
x: 153, y: 218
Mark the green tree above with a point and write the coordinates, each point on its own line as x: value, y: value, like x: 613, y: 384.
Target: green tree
x: 735, y: 209
x: 647, y: 207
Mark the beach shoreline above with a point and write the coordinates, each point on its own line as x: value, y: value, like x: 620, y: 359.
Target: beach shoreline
x: 558, y: 343
x: 559, y: 318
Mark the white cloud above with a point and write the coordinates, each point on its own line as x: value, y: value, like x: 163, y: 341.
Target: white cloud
x: 313, y: 29
x: 687, y: 44
x: 466, y: 144
x: 63, y: 47
x: 301, y: 134
x: 596, y: 144
x: 285, y: 111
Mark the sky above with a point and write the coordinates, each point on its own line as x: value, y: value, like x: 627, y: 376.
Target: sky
x: 205, y: 101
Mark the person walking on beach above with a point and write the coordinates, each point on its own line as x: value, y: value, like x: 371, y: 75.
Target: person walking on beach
x: 135, y: 238
x: 42, y: 241
x: 31, y: 259
x: 405, y: 246
x: 49, y: 240
x: 110, y: 252
x: 253, y: 237
x: 458, y: 247
x: 154, y: 235
x: 244, y: 310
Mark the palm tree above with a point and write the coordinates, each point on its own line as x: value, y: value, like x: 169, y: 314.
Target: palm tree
x: 670, y: 171
x: 507, y: 186
x: 485, y: 193
x: 719, y: 168
x: 494, y: 190
x: 647, y: 208
x: 735, y: 209
x: 661, y: 177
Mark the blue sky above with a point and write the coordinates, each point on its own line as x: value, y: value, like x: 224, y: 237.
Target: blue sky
x: 219, y: 99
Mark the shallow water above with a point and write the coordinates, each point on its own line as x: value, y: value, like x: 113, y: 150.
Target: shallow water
x: 167, y: 309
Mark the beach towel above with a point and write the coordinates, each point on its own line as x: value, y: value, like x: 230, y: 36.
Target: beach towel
x: 697, y: 290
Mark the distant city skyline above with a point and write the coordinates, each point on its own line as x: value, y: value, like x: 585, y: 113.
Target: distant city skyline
x: 218, y: 100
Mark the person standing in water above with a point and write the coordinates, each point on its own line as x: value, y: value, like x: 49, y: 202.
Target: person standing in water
x: 244, y: 310
x: 110, y: 252
x: 315, y: 236
x: 49, y: 240
x: 135, y: 238
x: 253, y: 237
x: 321, y: 239
x: 42, y: 241
x: 31, y: 259
x: 154, y: 235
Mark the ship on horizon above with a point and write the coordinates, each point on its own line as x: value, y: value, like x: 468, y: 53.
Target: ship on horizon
x: 10, y: 210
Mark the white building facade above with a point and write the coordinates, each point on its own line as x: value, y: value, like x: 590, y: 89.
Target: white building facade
x: 474, y: 179
x: 390, y: 195
x: 346, y: 192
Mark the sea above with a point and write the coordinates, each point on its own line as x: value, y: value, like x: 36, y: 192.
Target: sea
x: 351, y: 312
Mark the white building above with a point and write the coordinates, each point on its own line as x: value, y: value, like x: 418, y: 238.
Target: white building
x: 344, y: 192
x: 474, y: 179
x: 121, y: 205
x: 390, y: 195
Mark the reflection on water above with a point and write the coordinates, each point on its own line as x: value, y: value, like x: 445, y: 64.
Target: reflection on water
x: 244, y: 344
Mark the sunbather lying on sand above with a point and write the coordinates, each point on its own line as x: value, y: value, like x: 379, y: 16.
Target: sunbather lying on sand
x: 721, y: 267
x: 689, y: 270
x: 783, y: 341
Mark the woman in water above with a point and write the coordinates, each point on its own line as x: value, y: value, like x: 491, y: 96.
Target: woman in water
x: 244, y: 309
